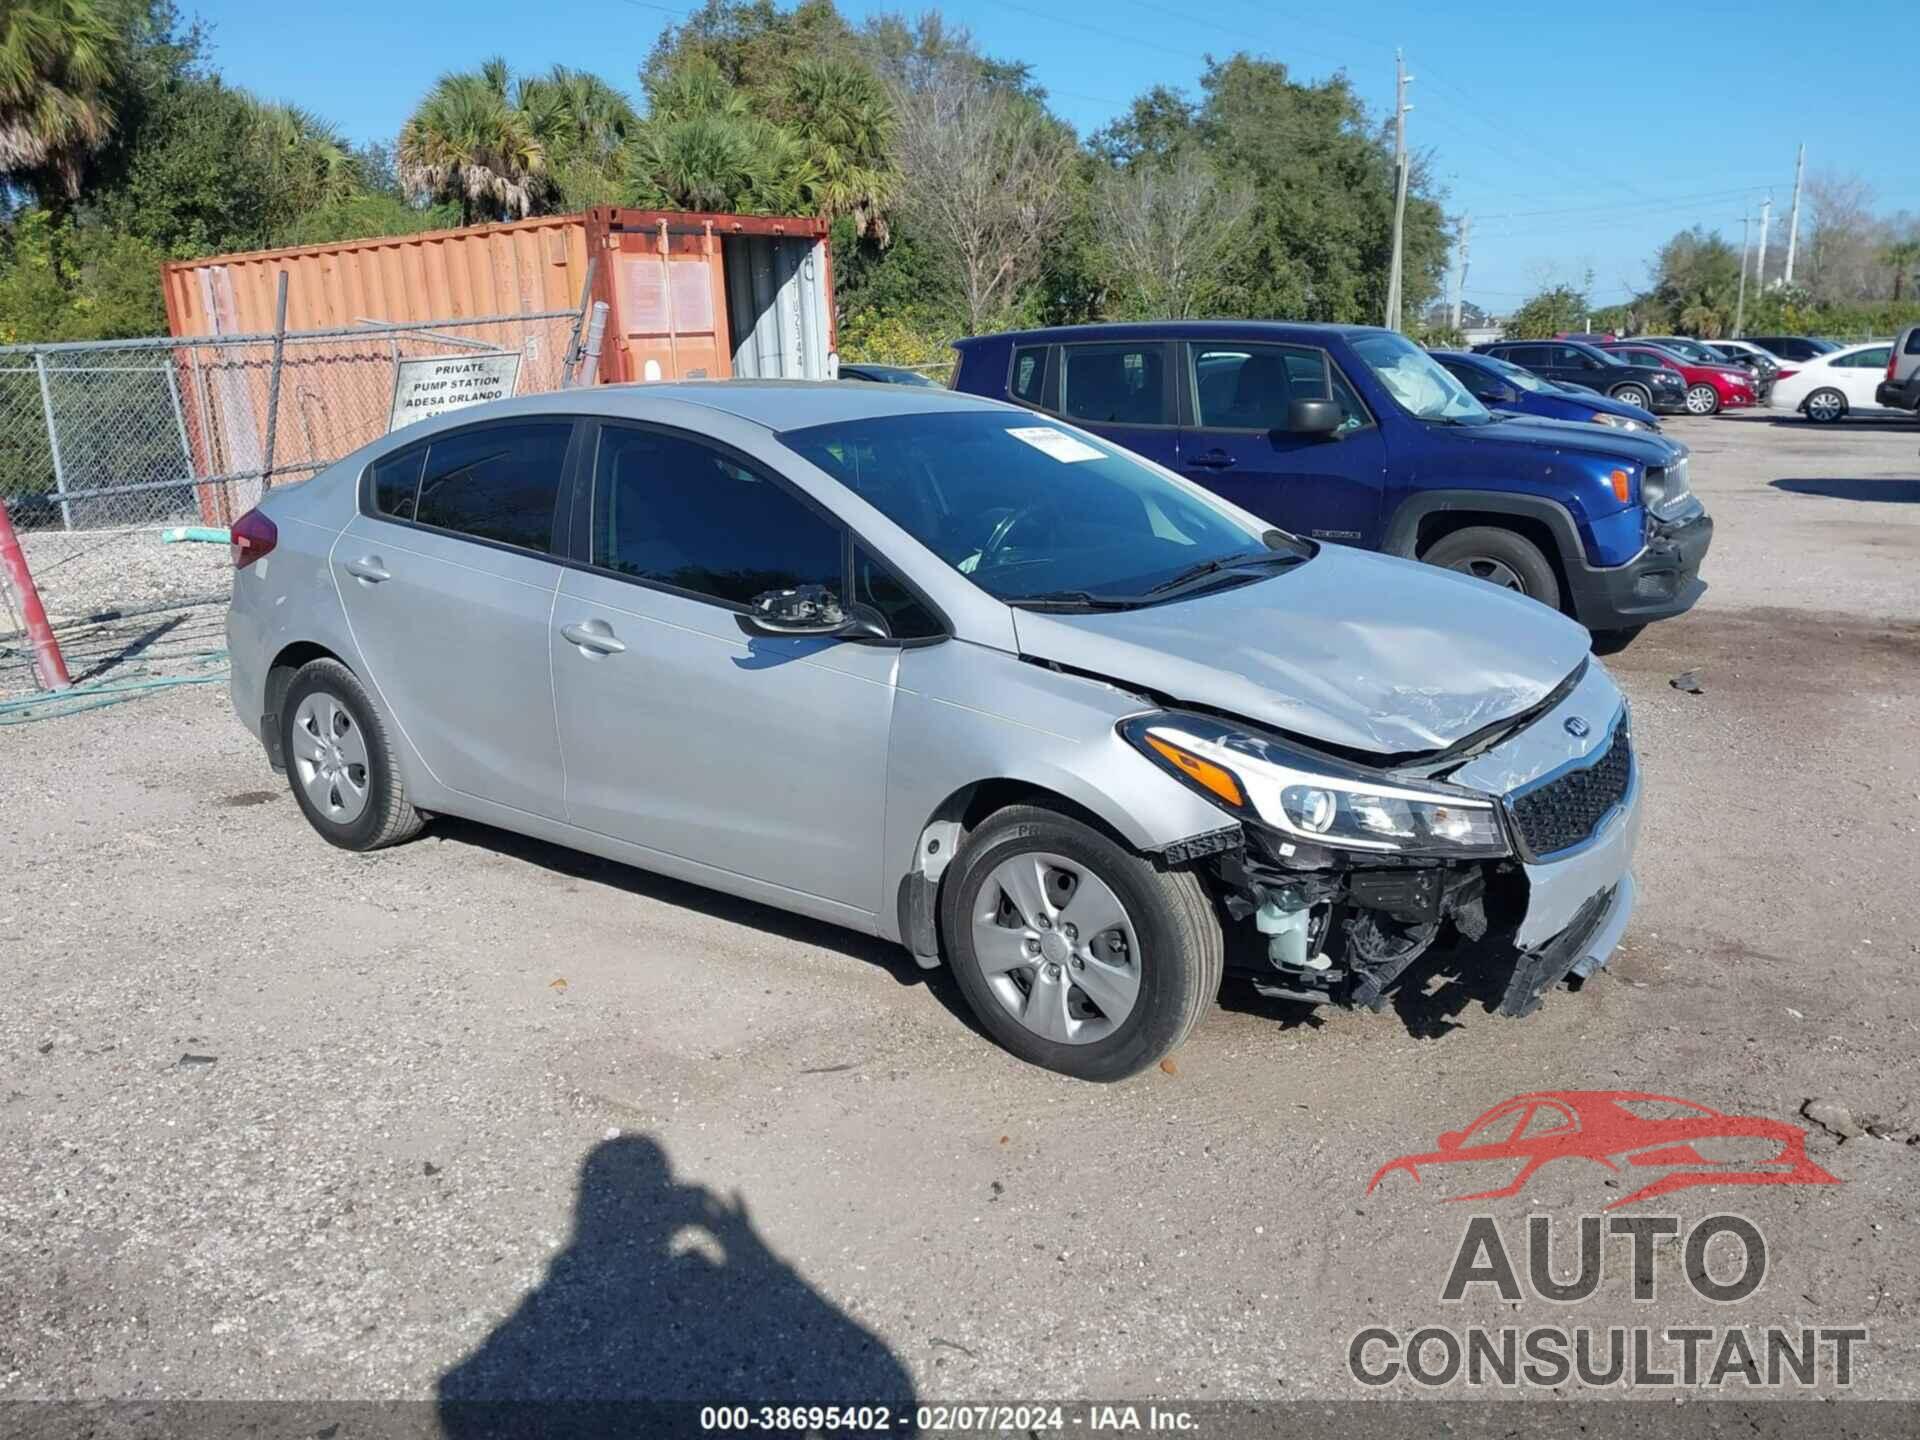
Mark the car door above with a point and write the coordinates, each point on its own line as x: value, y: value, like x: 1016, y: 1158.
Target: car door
x: 764, y: 757
x: 1122, y: 390
x: 447, y: 575
x: 1859, y: 375
x: 1239, y: 446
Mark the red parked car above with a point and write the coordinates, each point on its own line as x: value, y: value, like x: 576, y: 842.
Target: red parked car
x: 1710, y: 388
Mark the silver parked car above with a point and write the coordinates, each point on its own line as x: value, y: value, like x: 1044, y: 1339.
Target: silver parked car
x: 940, y: 670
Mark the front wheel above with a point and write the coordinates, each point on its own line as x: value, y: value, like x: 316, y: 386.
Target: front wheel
x: 1823, y: 407
x: 1074, y: 952
x: 1702, y: 400
x: 1499, y: 557
x: 1633, y: 395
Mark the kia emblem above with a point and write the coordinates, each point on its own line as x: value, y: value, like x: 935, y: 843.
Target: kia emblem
x: 1577, y: 727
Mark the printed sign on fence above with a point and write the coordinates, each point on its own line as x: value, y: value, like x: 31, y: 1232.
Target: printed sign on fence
x: 427, y: 387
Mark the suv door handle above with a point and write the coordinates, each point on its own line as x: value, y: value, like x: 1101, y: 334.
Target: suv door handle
x: 1213, y: 460
x: 368, y: 568
x: 594, y: 636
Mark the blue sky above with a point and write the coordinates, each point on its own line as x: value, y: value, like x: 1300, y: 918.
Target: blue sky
x: 1577, y: 136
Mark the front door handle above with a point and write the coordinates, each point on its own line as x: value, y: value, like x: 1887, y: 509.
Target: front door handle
x: 596, y: 637
x: 369, y: 569
x: 1213, y: 460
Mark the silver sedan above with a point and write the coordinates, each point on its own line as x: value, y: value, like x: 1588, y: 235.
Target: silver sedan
x: 954, y: 674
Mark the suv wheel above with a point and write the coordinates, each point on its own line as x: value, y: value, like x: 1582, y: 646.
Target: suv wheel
x: 1823, y: 407
x: 1074, y: 952
x: 1500, y: 557
x: 1633, y: 395
x: 340, y: 762
x: 1702, y: 400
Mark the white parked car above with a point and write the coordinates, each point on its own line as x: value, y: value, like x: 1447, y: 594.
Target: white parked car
x: 1829, y: 387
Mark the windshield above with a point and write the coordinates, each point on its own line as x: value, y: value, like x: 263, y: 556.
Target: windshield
x: 1030, y: 511
x: 1518, y: 378
x: 1418, y: 381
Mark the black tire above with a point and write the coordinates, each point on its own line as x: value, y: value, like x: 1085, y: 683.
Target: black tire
x: 1182, y: 959
x: 1484, y: 551
x: 1834, y: 408
x: 386, y: 818
x: 1633, y: 395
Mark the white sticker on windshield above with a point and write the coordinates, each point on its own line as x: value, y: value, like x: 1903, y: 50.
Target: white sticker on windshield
x: 1057, y: 443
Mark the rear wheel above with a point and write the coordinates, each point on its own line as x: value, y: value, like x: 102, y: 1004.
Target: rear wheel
x: 1702, y: 400
x: 1633, y: 395
x: 340, y: 762
x: 1823, y: 407
x: 1499, y: 557
x: 1074, y: 952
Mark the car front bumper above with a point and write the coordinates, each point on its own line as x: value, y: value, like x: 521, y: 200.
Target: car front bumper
x: 1662, y: 581
x: 1669, y: 402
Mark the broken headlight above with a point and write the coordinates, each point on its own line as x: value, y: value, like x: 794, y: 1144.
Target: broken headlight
x: 1314, y: 800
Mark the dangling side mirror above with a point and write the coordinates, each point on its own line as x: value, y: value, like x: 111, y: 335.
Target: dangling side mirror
x: 811, y: 611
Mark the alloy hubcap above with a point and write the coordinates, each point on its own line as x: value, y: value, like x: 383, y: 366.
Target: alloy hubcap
x: 1700, y: 400
x: 330, y: 758
x: 1494, y: 572
x: 1057, y: 947
x: 1823, y: 407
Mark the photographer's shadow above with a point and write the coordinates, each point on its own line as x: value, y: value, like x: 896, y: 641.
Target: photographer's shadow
x: 665, y: 1293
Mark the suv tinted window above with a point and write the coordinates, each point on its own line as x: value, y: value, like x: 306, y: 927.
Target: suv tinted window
x: 496, y: 482
x: 394, y: 483
x: 1572, y: 357
x: 1250, y: 387
x: 1029, y: 372
x: 1115, y: 384
x: 1912, y: 347
x: 674, y: 511
x: 1528, y: 355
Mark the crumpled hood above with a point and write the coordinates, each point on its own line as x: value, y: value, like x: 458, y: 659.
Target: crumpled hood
x: 1356, y: 650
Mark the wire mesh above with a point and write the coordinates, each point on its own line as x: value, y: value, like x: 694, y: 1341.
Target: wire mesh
x: 102, y: 446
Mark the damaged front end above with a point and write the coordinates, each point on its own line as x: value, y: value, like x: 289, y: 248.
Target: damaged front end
x: 1504, y: 859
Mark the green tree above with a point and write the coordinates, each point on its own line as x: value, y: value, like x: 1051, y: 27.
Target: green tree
x: 1550, y: 312
x: 1900, y: 257
x: 474, y: 140
x: 703, y: 148
x: 847, y: 123
x: 58, y: 62
x: 752, y: 43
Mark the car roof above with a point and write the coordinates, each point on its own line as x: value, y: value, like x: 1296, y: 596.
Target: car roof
x: 1175, y: 330
x: 774, y: 404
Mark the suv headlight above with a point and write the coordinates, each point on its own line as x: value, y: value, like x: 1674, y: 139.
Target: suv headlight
x: 1314, y: 800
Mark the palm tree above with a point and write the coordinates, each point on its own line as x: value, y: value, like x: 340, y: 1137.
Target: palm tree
x: 58, y: 59
x: 703, y: 148
x: 470, y: 141
x: 308, y: 164
x: 1900, y: 257
x: 848, y: 124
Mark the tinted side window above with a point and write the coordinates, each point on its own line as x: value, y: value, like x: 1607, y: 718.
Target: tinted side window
x: 1115, y: 384
x: 497, y: 482
x: 1571, y: 357
x: 1479, y: 384
x: 1029, y: 372
x: 394, y: 483
x: 1530, y: 355
x: 671, y: 510
x: 1912, y: 347
x: 875, y: 585
x: 1251, y: 387
x: 1874, y: 359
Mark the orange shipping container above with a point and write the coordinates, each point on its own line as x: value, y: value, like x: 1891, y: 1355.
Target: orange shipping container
x: 688, y: 295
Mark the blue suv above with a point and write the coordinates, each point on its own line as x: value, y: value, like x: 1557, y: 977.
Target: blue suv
x: 1356, y: 435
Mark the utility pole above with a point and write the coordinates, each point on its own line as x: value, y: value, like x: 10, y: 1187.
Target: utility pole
x: 1400, y: 82
x: 1460, y: 285
x: 1760, y: 259
x: 1793, y: 220
x: 1740, y: 305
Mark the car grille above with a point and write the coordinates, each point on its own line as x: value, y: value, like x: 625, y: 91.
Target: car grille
x: 1566, y: 810
x: 1675, y: 487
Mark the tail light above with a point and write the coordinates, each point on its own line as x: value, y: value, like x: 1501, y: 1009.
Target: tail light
x: 1893, y: 362
x: 1784, y: 371
x: 253, y: 535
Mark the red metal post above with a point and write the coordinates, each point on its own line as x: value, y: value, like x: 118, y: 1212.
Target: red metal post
x: 47, y: 660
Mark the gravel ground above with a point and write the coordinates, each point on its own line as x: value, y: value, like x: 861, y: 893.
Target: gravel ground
x: 479, y: 1116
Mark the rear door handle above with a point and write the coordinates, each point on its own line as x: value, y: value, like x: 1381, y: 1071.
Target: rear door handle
x: 369, y: 569
x: 594, y: 636
x: 1213, y: 460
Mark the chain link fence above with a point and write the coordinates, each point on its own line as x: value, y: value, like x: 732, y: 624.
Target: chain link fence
x: 105, y: 446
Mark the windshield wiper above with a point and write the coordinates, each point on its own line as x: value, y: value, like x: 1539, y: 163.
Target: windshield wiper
x: 1215, y: 567
x: 1073, y: 600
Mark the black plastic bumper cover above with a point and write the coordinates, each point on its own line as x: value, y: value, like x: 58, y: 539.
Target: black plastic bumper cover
x: 1662, y: 581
